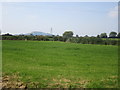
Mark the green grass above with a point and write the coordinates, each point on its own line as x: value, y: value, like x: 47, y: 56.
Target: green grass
x: 58, y: 64
x: 111, y: 39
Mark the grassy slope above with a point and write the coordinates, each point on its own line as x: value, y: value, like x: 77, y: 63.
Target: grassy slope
x: 46, y: 62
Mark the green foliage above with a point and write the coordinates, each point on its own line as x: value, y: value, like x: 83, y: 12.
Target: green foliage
x: 77, y: 36
x: 67, y: 34
x: 98, y: 36
x: 68, y: 37
x: 112, y: 34
x: 110, y: 41
x: 6, y: 34
x: 47, y: 64
x: 103, y: 35
x: 118, y: 35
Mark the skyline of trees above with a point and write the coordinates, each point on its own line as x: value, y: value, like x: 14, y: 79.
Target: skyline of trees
x: 102, y: 39
x: 112, y: 34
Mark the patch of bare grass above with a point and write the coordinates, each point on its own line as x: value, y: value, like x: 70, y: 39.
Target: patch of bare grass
x: 12, y: 82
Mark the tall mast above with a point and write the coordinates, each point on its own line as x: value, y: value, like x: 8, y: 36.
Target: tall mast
x: 51, y: 30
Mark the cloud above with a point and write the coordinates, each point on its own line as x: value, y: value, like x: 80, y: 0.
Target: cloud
x: 113, y: 13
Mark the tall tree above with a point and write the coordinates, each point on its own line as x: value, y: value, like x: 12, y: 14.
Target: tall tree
x: 112, y: 34
x: 77, y: 36
x: 103, y: 35
x: 118, y: 35
x: 67, y: 34
x: 98, y: 36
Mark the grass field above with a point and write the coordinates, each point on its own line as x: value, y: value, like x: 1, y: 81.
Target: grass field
x: 50, y: 64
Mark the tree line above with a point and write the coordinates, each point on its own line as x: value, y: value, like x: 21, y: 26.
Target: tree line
x: 112, y: 39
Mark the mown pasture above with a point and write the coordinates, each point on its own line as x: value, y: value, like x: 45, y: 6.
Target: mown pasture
x: 52, y: 64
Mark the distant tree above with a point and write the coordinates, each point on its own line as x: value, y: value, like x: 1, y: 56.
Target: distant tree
x: 86, y: 36
x: 85, y: 40
x: 112, y: 34
x: 103, y: 35
x: 31, y: 34
x: 73, y: 40
x: 40, y: 38
x: 98, y: 41
x: 98, y: 36
x: 67, y: 35
x: 77, y: 36
x: 7, y: 34
x: 56, y: 38
x: 60, y: 38
x: 118, y: 35
x: 53, y: 35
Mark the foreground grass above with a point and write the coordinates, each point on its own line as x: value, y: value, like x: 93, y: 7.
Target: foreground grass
x: 58, y: 64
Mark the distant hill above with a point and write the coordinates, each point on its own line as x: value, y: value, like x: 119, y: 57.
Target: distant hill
x: 38, y: 33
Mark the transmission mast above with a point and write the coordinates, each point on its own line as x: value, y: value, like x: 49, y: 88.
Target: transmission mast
x: 51, y: 30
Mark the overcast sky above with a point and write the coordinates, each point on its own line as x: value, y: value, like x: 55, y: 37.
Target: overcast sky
x: 83, y: 18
